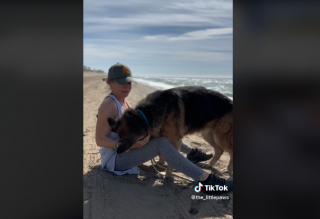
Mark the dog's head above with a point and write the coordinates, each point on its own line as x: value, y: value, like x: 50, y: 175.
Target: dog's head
x: 130, y: 127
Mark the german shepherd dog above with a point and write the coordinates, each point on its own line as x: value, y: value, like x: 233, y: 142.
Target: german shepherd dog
x: 176, y: 112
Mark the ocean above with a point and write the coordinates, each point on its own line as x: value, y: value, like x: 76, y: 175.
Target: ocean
x: 222, y: 85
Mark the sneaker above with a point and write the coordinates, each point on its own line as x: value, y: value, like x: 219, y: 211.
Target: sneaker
x: 196, y: 156
x: 216, y: 185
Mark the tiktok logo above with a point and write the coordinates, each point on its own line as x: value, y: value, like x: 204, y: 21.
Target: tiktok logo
x: 198, y: 188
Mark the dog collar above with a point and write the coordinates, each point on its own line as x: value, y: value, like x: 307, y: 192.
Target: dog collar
x: 142, y: 114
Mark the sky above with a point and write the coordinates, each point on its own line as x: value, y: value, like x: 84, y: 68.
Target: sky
x: 160, y: 37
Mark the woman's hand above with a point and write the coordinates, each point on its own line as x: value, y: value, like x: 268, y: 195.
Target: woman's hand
x: 141, y: 143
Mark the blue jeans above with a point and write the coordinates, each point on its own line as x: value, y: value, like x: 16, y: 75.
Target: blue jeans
x: 158, y: 146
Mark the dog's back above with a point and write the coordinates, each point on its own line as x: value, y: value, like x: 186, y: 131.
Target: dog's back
x: 202, y: 105
x: 197, y: 105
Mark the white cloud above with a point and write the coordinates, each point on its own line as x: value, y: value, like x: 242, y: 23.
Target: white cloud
x: 194, y: 35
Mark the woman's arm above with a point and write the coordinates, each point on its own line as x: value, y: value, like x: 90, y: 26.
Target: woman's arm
x: 107, y: 109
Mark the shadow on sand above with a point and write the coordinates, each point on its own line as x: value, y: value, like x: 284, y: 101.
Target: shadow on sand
x: 107, y: 195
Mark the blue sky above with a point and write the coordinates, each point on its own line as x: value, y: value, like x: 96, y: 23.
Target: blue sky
x: 160, y: 37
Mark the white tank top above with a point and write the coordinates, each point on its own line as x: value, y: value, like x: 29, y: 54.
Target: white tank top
x: 108, y: 155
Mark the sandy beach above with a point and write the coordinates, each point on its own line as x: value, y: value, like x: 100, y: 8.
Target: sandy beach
x: 106, y: 195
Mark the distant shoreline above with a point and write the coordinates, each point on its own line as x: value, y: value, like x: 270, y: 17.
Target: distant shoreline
x: 101, y: 73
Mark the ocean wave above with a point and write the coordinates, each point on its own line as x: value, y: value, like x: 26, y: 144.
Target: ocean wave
x: 222, y: 85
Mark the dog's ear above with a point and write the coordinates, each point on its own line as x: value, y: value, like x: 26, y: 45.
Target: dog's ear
x: 112, y: 123
x: 125, y: 144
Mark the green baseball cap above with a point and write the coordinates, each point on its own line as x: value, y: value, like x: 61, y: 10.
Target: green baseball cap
x: 120, y: 73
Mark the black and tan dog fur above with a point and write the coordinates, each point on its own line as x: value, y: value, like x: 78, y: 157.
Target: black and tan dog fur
x: 177, y: 112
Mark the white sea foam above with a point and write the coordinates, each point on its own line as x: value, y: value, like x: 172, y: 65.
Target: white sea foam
x: 222, y: 85
x: 158, y: 85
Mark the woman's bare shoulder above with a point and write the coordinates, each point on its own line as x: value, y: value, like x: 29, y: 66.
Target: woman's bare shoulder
x: 108, y: 108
